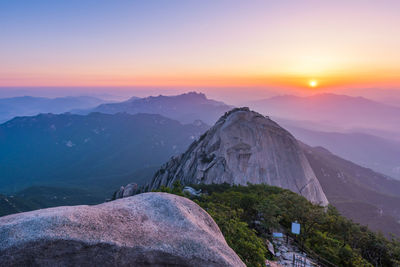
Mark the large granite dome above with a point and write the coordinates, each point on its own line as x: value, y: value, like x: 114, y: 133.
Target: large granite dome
x: 244, y: 147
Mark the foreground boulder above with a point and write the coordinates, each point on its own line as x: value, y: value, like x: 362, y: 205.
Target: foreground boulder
x: 244, y: 147
x: 151, y: 229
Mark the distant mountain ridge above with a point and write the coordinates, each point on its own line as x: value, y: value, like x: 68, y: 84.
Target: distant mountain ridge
x: 185, y: 108
x: 95, y: 152
x: 331, y: 110
x: 30, y: 106
x: 380, y: 154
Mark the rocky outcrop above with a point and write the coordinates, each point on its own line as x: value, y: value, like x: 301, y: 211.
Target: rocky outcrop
x: 127, y: 191
x: 151, y: 229
x: 191, y: 191
x: 244, y: 147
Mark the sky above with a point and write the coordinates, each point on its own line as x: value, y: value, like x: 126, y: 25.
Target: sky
x: 304, y: 45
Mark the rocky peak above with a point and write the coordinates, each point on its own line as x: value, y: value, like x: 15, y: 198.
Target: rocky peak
x: 244, y: 147
x: 194, y: 94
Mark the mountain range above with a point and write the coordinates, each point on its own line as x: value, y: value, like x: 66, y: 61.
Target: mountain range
x: 377, y: 153
x: 93, y: 152
x: 357, y: 145
x: 335, y: 113
x: 185, y: 108
x: 30, y: 106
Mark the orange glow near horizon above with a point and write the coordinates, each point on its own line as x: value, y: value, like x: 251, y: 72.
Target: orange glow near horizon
x: 285, y: 75
x: 235, y: 80
x: 264, y: 44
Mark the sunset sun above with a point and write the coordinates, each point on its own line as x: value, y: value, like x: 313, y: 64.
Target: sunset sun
x: 313, y: 83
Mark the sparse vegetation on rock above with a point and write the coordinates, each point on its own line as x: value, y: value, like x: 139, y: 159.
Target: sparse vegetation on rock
x: 247, y: 216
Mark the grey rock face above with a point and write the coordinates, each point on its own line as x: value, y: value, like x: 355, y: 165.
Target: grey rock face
x: 244, y: 147
x: 127, y: 191
x: 150, y: 229
x: 191, y: 191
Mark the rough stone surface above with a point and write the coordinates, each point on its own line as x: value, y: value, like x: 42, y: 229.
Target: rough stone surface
x: 127, y: 191
x: 288, y: 251
x: 150, y: 229
x: 244, y: 147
